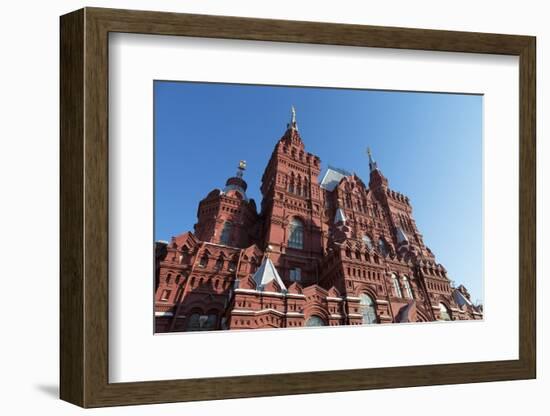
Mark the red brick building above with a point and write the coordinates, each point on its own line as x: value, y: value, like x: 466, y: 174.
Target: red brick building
x: 322, y: 251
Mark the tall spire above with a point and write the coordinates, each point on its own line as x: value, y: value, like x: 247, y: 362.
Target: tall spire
x: 372, y: 164
x: 293, y: 123
x: 377, y: 179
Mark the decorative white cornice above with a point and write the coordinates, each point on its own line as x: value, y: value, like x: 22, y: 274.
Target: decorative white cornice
x: 164, y: 314
x: 295, y: 295
x: 257, y: 292
x: 263, y: 311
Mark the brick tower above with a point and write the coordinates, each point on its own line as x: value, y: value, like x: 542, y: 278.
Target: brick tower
x: 291, y: 208
x: 226, y: 216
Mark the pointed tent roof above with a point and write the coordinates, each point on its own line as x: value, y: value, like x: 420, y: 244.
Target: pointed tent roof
x: 332, y: 178
x: 460, y: 298
x: 401, y: 237
x: 340, y: 216
x: 266, y: 274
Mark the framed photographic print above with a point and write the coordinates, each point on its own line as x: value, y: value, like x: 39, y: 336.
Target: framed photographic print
x: 255, y: 207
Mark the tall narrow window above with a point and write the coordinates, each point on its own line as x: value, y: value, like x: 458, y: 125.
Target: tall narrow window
x: 368, y: 309
x: 295, y: 274
x: 219, y: 264
x: 408, y: 289
x: 226, y: 233
x: 396, y: 287
x: 296, y: 236
x: 383, y: 247
x: 444, y: 313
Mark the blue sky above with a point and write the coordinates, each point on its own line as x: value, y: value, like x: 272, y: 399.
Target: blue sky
x: 428, y: 145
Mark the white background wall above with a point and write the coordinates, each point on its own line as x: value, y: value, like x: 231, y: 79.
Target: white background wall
x: 29, y: 159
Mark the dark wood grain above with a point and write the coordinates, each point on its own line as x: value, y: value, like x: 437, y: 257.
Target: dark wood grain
x: 527, y: 208
x: 71, y: 100
x: 84, y: 207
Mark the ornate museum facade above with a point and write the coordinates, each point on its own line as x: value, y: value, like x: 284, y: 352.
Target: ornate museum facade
x: 334, y: 251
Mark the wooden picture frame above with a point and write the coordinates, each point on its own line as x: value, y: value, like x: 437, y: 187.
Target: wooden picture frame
x: 84, y: 207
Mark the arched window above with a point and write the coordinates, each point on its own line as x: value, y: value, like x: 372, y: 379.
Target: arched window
x: 383, y: 247
x: 367, y: 241
x: 295, y: 274
x: 444, y: 313
x: 184, y: 257
x: 200, y: 322
x: 315, y: 321
x: 194, y: 322
x: 204, y: 261
x: 368, y: 309
x: 219, y: 264
x: 408, y: 289
x: 211, y: 321
x: 296, y: 236
x: 396, y: 287
x: 226, y: 233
